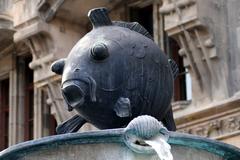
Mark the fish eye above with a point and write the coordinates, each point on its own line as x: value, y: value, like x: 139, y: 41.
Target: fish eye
x: 99, y: 51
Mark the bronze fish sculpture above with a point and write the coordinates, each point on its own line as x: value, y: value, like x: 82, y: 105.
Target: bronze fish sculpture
x: 115, y: 73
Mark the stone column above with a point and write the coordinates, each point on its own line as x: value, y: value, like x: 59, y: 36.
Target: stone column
x: 38, y: 115
x: 20, y: 99
x: 158, y: 27
x: 16, y: 103
x: 13, y: 105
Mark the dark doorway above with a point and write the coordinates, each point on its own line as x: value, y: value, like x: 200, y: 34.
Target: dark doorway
x: 144, y: 16
x: 4, y: 113
x: 52, y: 125
x: 28, y: 94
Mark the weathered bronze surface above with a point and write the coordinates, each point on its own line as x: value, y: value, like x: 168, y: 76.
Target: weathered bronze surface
x: 115, y: 73
x: 121, y: 144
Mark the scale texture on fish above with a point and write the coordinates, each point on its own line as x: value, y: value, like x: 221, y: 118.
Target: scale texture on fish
x: 115, y: 73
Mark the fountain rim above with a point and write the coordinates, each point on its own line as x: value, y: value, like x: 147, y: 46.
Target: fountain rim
x: 226, y: 151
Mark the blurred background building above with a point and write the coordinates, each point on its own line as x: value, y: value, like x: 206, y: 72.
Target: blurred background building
x: 202, y: 36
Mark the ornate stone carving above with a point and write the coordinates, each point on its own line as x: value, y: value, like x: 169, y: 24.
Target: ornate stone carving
x: 215, y: 128
x: 197, y: 48
x: 232, y: 124
x: 40, y: 46
x: 43, y: 53
x: 47, y: 11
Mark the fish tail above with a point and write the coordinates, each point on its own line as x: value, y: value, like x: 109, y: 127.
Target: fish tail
x: 71, y: 125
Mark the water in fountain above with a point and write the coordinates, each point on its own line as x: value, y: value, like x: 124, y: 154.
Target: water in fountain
x: 160, y: 145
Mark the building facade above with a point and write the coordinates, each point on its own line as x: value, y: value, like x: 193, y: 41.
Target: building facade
x: 202, y: 36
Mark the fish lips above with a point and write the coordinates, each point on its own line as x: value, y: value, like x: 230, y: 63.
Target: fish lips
x: 74, y: 92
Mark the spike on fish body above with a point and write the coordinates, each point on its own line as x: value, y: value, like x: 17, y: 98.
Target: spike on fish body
x: 114, y: 74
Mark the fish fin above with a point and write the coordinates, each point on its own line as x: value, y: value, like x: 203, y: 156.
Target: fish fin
x: 58, y: 66
x: 71, y: 125
x: 168, y: 121
x: 123, y: 107
x: 99, y: 17
x: 134, y: 26
x: 174, y: 68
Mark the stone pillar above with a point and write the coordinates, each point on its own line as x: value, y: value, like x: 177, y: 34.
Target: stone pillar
x: 158, y: 25
x: 20, y: 99
x: 16, y: 102
x: 42, y: 109
x: 13, y: 106
x: 38, y: 115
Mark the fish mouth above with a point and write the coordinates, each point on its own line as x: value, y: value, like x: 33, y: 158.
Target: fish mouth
x: 74, y: 91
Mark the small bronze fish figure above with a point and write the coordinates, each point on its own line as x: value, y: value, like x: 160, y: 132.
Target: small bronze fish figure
x: 115, y: 73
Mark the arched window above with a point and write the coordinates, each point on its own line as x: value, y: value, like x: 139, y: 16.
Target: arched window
x: 182, y: 84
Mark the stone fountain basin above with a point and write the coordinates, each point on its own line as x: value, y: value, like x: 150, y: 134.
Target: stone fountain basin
x: 113, y: 145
